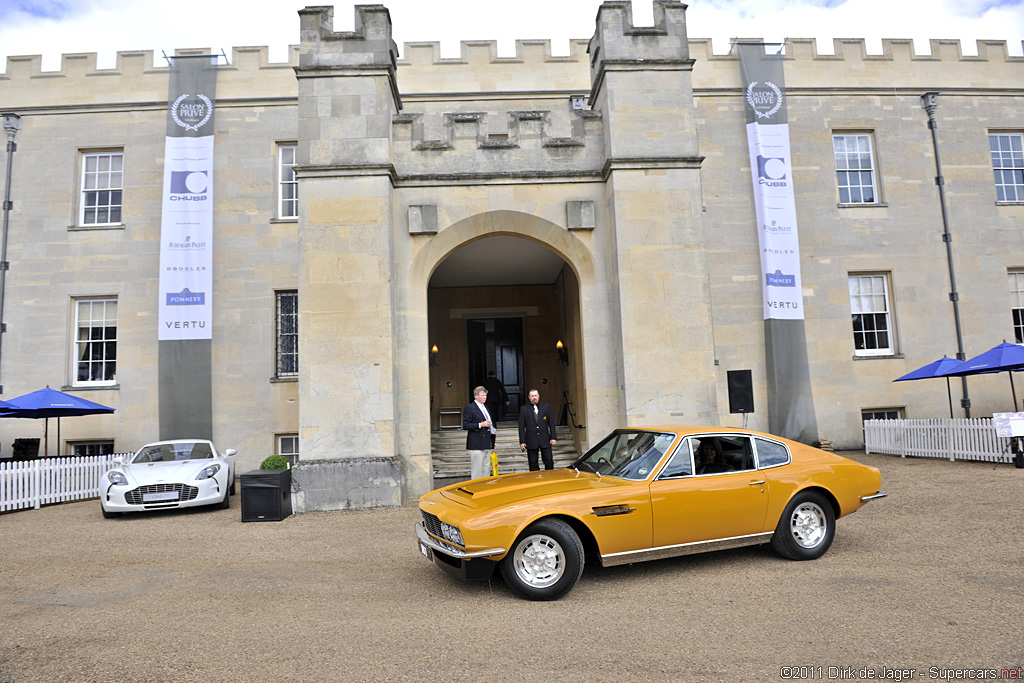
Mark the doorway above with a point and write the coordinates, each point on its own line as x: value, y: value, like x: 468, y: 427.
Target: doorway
x: 496, y: 345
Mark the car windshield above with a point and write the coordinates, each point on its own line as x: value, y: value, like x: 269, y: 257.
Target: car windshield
x: 171, y: 452
x: 629, y: 454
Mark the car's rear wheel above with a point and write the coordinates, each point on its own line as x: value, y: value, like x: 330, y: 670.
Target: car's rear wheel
x: 109, y: 515
x: 806, y: 528
x: 545, y: 562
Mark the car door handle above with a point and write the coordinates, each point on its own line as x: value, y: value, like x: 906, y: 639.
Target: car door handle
x: 756, y: 483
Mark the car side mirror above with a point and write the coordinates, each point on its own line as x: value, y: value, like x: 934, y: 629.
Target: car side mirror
x: 229, y: 452
x: 117, y: 462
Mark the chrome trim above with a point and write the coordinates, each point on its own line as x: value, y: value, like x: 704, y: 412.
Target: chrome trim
x: 756, y: 483
x: 865, y: 499
x: 451, y: 551
x: 613, y: 559
x: 609, y: 510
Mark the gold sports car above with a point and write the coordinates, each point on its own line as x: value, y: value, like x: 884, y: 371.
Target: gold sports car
x: 643, y: 494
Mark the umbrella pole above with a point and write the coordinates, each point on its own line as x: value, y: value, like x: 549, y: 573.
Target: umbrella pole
x: 58, y: 436
x: 1013, y: 391
x: 46, y: 437
x: 949, y: 395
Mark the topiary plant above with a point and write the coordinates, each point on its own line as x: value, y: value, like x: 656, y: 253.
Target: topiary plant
x: 275, y: 462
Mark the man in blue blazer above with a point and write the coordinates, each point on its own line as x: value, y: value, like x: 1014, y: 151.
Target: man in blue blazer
x: 480, y: 434
x: 537, y: 431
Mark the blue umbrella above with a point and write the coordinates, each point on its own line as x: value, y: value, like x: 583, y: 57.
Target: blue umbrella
x: 938, y: 368
x: 1002, y: 358
x: 47, y: 403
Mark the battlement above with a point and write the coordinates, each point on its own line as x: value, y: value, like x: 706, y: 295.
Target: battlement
x: 369, y: 44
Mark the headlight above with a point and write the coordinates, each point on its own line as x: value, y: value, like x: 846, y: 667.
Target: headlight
x: 117, y: 478
x: 208, y: 472
x: 452, y: 534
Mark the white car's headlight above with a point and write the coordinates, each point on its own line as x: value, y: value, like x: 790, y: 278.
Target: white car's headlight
x: 117, y: 478
x: 452, y: 533
x: 208, y: 472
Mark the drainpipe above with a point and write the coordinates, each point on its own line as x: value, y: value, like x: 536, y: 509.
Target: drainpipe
x: 12, y: 124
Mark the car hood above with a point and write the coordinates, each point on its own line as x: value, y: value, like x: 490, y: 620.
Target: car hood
x: 180, y: 471
x: 511, y: 488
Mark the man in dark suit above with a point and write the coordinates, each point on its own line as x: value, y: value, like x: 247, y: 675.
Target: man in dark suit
x: 480, y: 434
x: 537, y: 431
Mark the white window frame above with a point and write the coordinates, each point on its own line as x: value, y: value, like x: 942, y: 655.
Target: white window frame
x: 1016, y: 282
x: 287, y: 183
x: 97, y: 180
x: 286, y: 341
x: 92, y: 444
x: 851, y: 161
x: 866, y: 302
x: 1007, y: 152
x: 288, y: 446
x: 80, y: 346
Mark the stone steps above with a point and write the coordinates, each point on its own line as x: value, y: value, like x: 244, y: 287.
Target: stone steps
x: 450, y: 459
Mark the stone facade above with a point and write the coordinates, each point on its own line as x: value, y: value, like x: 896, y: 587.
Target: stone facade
x: 644, y: 195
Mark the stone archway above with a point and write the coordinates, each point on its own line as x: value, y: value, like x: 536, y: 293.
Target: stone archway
x: 591, y: 353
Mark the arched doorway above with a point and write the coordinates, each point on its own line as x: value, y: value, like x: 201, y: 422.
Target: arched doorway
x: 500, y: 306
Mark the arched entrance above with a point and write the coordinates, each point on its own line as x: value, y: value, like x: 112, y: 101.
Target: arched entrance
x: 499, y: 308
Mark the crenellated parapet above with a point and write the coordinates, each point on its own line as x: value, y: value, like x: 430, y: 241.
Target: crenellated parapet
x: 136, y: 79
x: 368, y: 45
x: 522, y: 125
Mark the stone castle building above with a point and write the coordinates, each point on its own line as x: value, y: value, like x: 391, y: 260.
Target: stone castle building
x: 387, y: 230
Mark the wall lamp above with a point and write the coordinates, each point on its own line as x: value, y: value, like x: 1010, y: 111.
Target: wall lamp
x: 433, y: 356
x: 563, y: 355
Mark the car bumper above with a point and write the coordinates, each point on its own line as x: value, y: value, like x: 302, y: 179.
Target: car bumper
x: 122, y: 498
x: 459, y: 564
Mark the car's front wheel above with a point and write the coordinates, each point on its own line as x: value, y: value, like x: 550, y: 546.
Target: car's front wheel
x: 226, y: 503
x: 806, y: 528
x: 545, y: 562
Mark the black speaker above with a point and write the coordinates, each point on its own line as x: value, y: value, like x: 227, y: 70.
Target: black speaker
x: 266, y: 495
x: 741, y: 391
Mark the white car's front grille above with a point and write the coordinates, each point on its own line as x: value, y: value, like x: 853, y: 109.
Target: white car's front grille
x: 135, y: 496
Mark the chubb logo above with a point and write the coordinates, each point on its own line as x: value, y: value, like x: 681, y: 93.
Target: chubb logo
x: 765, y: 100
x: 771, y: 171
x: 189, y: 186
x: 186, y: 298
x: 779, y: 279
x: 191, y: 114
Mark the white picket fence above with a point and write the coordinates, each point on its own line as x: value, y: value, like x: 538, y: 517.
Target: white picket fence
x: 956, y: 439
x: 31, y: 483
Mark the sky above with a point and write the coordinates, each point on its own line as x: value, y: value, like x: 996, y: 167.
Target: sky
x: 53, y: 27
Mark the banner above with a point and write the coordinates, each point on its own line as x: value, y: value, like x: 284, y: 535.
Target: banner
x: 772, y: 173
x: 186, y: 227
x: 787, y: 371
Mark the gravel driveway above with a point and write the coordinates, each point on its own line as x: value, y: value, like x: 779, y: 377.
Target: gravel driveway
x: 930, y: 579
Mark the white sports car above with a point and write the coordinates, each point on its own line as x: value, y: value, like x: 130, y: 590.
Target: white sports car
x: 169, y: 474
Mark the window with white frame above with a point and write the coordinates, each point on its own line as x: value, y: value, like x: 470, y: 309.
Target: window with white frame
x: 95, y: 352
x: 287, y: 183
x: 872, y: 315
x: 288, y: 446
x: 1008, y: 165
x: 287, y: 334
x: 90, y: 447
x: 855, y: 168
x: 881, y: 414
x: 102, y: 184
x: 1017, y: 303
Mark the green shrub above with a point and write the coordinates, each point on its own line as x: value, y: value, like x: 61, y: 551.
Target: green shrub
x: 275, y: 462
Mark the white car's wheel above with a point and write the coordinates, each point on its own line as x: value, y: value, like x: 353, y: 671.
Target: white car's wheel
x: 545, y: 562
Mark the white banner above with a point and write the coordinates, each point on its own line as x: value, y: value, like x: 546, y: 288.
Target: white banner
x: 186, y: 241
x: 772, y: 172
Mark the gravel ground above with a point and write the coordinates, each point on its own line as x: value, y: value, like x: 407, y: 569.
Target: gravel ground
x: 932, y: 576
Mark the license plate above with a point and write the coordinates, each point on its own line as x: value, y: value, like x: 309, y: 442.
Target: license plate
x: 426, y: 552
x: 154, y: 497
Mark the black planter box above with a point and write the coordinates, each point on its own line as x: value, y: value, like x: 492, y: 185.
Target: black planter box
x: 266, y: 495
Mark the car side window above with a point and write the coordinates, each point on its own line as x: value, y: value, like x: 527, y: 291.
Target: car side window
x: 771, y: 453
x: 680, y: 465
x: 723, y: 453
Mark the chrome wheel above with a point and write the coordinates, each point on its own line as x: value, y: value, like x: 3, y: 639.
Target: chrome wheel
x: 539, y: 561
x: 808, y: 524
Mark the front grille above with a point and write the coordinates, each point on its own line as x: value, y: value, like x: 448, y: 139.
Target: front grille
x: 432, y: 523
x: 134, y: 497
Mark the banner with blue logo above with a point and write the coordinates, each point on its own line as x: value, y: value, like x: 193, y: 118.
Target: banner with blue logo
x: 186, y: 230
x: 772, y: 173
